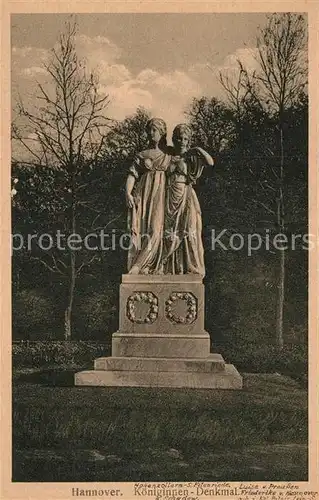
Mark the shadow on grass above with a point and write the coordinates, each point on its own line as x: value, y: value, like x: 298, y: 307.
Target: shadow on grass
x: 259, y: 463
x: 49, y: 377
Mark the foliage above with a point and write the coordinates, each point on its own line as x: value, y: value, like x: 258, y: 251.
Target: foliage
x: 56, y: 353
x: 33, y: 313
x: 127, y: 137
x: 212, y: 124
x: 98, y: 313
x: 291, y: 361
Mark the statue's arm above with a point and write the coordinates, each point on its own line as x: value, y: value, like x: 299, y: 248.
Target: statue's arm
x: 133, y: 175
x: 199, y: 158
x: 206, y: 157
x: 130, y: 182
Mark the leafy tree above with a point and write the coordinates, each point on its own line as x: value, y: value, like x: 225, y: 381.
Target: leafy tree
x: 128, y: 136
x: 212, y: 124
x: 122, y: 142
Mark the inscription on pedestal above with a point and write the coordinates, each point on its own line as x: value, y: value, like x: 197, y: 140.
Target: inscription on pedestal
x: 181, y: 308
x: 142, y: 307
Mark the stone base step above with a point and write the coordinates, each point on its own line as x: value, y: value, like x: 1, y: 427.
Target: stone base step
x: 212, y: 364
x: 229, y: 378
x: 160, y: 345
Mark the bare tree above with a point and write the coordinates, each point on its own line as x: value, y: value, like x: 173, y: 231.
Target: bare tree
x: 65, y: 130
x: 275, y: 87
x: 237, y: 91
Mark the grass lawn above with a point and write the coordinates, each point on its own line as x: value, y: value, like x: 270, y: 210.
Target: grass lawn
x: 66, y: 433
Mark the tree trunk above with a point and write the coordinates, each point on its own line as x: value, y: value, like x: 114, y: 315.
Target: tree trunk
x: 67, y: 324
x: 68, y: 311
x: 280, y: 301
x: 282, y: 256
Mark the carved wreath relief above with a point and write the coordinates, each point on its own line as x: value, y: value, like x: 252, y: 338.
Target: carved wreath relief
x: 171, y: 312
x: 139, y: 314
x: 180, y: 307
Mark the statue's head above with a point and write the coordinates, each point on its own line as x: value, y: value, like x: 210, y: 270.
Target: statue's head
x: 182, y: 135
x: 156, y: 131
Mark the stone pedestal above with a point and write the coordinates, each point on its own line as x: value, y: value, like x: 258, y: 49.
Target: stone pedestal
x: 161, y: 340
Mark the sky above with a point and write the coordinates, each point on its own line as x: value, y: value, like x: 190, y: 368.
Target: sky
x: 158, y: 61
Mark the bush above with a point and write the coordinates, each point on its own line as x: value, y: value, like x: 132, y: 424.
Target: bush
x: 96, y: 314
x: 33, y: 315
x: 291, y: 360
x: 61, y: 353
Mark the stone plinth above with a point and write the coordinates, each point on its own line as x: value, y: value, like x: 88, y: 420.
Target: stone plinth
x: 161, y: 340
x: 228, y: 379
x: 160, y: 345
x: 213, y: 363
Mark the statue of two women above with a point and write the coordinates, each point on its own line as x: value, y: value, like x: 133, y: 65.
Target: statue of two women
x: 164, y: 213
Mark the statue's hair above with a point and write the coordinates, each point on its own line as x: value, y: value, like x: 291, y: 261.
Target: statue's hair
x: 180, y: 128
x: 158, y: 123
x: 161, y: 127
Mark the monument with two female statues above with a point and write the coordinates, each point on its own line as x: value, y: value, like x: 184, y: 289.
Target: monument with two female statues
x: 161, y: 341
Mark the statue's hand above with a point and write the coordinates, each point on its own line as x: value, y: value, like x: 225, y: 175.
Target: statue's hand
x: 201, y: 153
x: 192, y: 152
x: 196, y: 150
x: 129, y: 200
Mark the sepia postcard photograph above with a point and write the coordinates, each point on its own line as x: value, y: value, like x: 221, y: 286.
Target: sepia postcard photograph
x: 159, y: 288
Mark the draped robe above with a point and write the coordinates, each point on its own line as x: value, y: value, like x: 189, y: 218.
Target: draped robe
x: 183, y: 247
x: 146, y: 218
